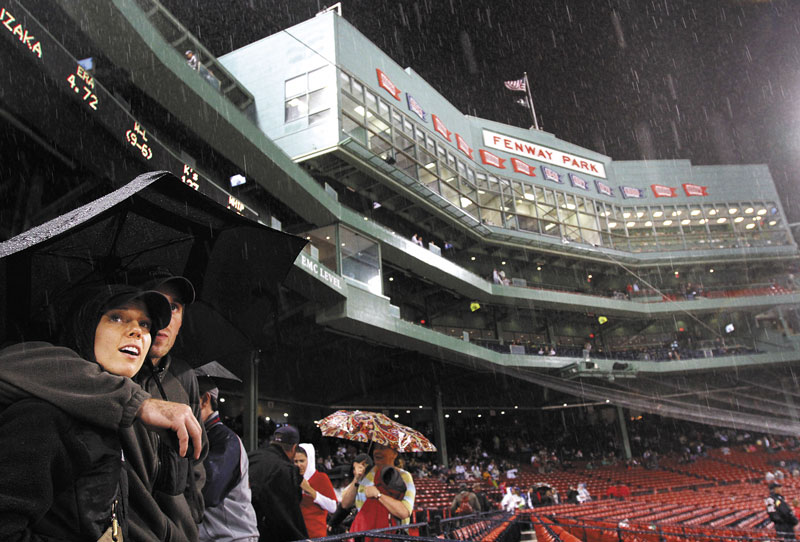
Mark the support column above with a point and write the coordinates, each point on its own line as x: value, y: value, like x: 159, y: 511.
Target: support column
x: 438, y: 429
x: 250, y: 414
x: 623, y: 429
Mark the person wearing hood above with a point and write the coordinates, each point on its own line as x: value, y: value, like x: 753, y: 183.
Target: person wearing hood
x: 229, y: 514
x: 319, y: 498
x: 64, y: 477
x: 165, y: 503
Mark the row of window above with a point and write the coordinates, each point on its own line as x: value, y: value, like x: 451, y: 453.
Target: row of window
x: 502, y: 202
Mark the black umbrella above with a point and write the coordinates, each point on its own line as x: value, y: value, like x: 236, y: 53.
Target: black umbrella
x: 155, y: 220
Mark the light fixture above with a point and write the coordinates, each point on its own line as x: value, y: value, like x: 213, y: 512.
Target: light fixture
x: 750, y: 226
x: 658, y: 214
x: 695, y: 212
x: 391, y: 279
x: 710, y: 270
x: 712, y: 212
x: 721, y: 220
x: 221, y: 399
x: 538, y: 267
x: 480, y: 415
x: 762, y: 212
x: 549, y: 227
x: 408, y: 412
x: 749, y: 211
x: 702, y: 221
x: 472, y: 258
x: 397, y: 416
x: 612, y: 224
x: 447, y: 415
x: 733, y: 210
x: 459, y: 412
x: 668, y: 222
x: 686, y: 222
x: 516, y: 406
x: 640, y: 214
x: 626, y: 215
x: 529, y: 197
x: 772, y: 222
x: 502, y: 412
x: 285, y: 414
x: 648, y: 223
x: 630, y: 224
x: 590, y: 275
x: 502, y: 263
x: 738, y: 219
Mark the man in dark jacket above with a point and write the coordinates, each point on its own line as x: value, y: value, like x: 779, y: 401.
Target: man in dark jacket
x: 780, y: 512
x: 275, y: 483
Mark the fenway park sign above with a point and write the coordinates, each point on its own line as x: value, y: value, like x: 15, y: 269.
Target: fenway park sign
x: 543, y: 154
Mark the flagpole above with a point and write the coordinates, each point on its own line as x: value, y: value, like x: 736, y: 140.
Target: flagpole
x: 530, y: 101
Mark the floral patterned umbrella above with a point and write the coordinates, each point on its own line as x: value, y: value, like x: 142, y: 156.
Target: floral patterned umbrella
x: 365, y: 426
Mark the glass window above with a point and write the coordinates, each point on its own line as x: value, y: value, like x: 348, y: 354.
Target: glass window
x: 318, y: 117
x: 318, y: 100
x: 296, y: 108
x: 360, y: 259
x: 295, y: 86
x: 358, y: 90
x: 318, y: 78
x: 344, y: 81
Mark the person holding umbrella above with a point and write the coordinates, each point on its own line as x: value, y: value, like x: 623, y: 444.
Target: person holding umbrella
x: 71, y: 486
x: 383, y: 493
x: 373, y: 493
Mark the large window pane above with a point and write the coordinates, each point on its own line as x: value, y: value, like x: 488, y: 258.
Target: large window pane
x: 360, y: 259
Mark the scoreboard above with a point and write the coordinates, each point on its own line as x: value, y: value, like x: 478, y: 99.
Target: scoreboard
x: 32, y: 39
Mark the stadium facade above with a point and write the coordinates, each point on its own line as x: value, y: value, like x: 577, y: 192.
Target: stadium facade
x: 669, y: 271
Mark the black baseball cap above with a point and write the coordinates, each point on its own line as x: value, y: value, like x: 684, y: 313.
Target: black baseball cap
x: 286, y: 434
x: 156, y: 277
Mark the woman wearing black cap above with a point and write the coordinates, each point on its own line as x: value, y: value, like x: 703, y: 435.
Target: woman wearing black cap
x: 62, y: 477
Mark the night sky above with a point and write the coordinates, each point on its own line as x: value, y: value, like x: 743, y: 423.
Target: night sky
x: 712, y: 81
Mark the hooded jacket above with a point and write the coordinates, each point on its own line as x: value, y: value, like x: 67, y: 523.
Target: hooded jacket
x: 157, y: 477
x: 65, y: 478
x: 315, y: 511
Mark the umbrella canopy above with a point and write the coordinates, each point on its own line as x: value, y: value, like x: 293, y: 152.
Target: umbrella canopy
x: 153, y: 221
x: 365, y: 426
x: 215, y: 370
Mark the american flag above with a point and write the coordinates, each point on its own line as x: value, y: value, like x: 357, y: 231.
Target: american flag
x: 518, y: 84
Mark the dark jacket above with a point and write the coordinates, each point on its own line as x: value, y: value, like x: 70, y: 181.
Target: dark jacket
x: 780, y: 513
x: 62, y: 479
x: 166, y: 501
x: 275, y: 483
x: 158, y: 510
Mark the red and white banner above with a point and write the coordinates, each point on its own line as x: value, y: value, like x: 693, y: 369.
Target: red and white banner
x: 463, y: 147
x: 439, y: 126
x: 522, y: 167
x: 695, y: 189
x: 387, y: 85
x: 519, y: 85
x: 661, y: 191
x: 492, y: 159
x: 554, y: 157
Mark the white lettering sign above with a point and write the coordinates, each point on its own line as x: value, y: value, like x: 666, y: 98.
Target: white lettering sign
x: 543, y: 154
x: 323, y: 274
